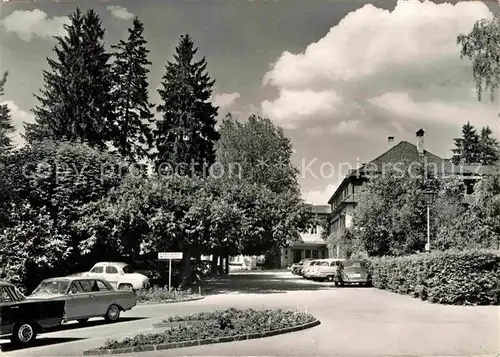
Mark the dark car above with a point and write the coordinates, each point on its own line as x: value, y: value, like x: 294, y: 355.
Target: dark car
x: 352, y: 272
x: 23, y: 319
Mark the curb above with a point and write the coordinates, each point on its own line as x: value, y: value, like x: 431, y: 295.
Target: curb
x: 177, y: 323
x: 170, y: 301
x: 167, y: 346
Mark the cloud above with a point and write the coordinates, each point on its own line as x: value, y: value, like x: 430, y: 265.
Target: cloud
x: 35, y: 23
x: 226, y: 100
x: 319, y: 197
x: 120, y: 12
x: 366, y: 70
x: 294, y: 105
x: 404, y: 106
x: 19, y: 117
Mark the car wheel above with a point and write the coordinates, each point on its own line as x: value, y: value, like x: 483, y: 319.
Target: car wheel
x: 113, y: 314
x: 82, y: 321
x: 24, y: 333
x: 126, y: 287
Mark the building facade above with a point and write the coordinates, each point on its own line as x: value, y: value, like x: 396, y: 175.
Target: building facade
x: 311, y: 243
x: 344, y: 199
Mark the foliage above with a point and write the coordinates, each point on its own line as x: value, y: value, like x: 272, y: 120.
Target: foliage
x: 258, y: 152
x: 75, y: 104
x: 222, y: 323
x: 46, y: 189
x: 6, y: 127
x: 193, y: 215
x: 160, y: 295
x: 467, y: 149
x: 390, y: 215
x: 481, y: 46
x: 475, y: 148
x: 469, y: 277
x: 132, y: 134
x: 186, y: 134
x: 490, y: 148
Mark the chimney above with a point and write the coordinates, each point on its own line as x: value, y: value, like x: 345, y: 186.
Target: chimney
x: 390, y: 141
x: 420, y: 142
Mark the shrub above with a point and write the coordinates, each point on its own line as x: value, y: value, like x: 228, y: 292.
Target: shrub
x: 219, y: 323
x: 158, y: 294
x: 451, y: 277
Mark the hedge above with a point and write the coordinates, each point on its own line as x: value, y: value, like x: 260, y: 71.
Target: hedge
x: 469, y: 277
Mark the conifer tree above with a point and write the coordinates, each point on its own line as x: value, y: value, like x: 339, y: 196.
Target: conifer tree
x: 467, y: 149
x: 489, y: 147
x: 75, y: 103
x: 6, y: 126
x: 186, y: 134
x: 132, y: 134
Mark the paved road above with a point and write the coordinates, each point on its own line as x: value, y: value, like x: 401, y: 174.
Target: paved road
x: 354, y: 321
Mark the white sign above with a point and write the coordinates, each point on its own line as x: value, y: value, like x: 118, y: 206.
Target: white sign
x: 169, y: 255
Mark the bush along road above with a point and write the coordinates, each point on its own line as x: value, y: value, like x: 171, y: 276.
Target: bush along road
x: 452, y: 277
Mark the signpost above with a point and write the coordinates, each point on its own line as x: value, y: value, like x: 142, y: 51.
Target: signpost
x: 169, y: 256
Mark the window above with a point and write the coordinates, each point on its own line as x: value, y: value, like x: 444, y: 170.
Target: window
x: 102, y: 286
x: 315, y: 254
x: 111, y: 270
x: 97, y: 270
x: 85, y: 285
x: 127, y: 269
x: 4, y: 295
x: 314, y: 230
x: 75, y: 288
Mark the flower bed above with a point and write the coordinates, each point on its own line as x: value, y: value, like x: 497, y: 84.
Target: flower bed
x: 157, y: 295
x: 218, y: 325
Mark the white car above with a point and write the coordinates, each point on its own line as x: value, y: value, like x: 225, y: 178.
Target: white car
x: 120, y: 275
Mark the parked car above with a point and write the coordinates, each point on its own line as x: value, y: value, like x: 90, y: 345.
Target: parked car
x: 85, y: 297
x: 353, y: 272
x: 326, y: 269
x: 309, y: 268
x: 120, y: 275
x: 22, y: 319
x: 296, y: 267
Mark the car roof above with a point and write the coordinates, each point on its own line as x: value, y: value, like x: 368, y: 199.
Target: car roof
x: 5, y: 283
x: 120, y: 264
x: 71, y: 278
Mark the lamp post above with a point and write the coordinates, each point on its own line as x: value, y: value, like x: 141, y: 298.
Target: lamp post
x: 429, y: 195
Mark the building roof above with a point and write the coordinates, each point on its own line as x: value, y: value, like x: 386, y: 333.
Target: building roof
x: 404, y: 151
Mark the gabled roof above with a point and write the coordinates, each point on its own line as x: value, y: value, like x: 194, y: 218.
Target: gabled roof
x: 404, y: 151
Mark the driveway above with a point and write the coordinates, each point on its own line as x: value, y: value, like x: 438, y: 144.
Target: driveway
x: 354, y: 321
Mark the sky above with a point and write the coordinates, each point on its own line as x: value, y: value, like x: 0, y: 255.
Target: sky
x: 338, y: 76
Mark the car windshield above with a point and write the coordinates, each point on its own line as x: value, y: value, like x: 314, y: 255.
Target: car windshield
x: 127, y: 269
x: 51, y: 287
x: 353, y: 264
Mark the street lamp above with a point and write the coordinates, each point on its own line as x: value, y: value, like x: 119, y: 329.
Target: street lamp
x: 429, y: 196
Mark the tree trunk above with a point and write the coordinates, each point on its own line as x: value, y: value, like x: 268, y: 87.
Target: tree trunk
x: 214, y: 264
x: 221, y: 266
x: 227, y: 265
x: 185, y: 268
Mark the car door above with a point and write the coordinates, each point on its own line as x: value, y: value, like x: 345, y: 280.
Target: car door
x: 104, y: 297
x: 82, y: 303
x: 111, y: 275
x: 7, y: 315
